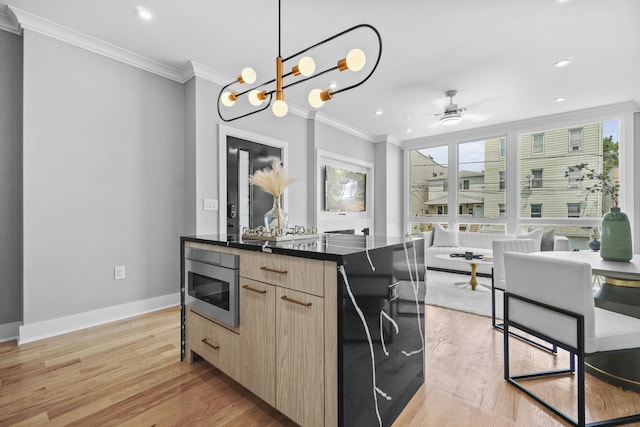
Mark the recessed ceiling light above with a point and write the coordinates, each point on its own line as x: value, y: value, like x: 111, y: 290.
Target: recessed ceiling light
x: 560, y: 99
x: 333, y: 85
x: 145, y: 14
x: 408, y: 130
x: 378, y: 112
x: 563, y: 62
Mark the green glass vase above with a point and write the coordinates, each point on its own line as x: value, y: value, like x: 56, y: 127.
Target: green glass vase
x: 615, y: 236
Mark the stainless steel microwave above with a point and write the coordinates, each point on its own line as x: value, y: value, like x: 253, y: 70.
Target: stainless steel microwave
x: 211, y: 284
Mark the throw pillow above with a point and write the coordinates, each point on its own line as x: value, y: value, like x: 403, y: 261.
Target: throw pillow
x: 428, y: 238
x: 535, y: 235
x: 444, y: 237
x: 548, y: 238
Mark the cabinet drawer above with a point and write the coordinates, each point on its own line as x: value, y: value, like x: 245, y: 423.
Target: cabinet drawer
x: 298, y: 274
x: 212, y: 342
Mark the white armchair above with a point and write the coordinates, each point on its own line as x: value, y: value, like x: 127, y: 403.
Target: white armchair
x: 552, y: 299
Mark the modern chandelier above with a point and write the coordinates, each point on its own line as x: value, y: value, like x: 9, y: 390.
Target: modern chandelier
x: 261, y: 96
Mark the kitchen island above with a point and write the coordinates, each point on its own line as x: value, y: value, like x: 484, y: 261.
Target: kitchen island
x: 330, y: 331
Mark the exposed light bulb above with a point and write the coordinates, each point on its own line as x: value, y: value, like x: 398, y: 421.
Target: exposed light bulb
x: 256, y: 97
x: 227, y: 99
x: 248, y: 75
x: 280, y: 108
x: 356, y: 59
x: 306, y: 66
x: 318, y: 97
x: 314, y: 98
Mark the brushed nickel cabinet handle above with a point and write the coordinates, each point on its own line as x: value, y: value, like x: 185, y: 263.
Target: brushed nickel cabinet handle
x: 205, y: 342
x: 273, y: 270
x: 286, y: 298
x: 249, y: 288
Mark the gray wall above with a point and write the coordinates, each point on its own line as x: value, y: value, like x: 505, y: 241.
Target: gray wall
x: 10, y: 178
x: 203, y: 141
x: 103, y: 181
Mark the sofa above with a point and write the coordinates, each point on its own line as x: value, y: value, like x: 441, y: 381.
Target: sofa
x: 441, y: 241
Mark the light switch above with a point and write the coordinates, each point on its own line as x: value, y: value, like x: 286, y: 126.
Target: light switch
x: 210, y: 204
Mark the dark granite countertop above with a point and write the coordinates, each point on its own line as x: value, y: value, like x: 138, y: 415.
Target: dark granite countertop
x: 329, y: 247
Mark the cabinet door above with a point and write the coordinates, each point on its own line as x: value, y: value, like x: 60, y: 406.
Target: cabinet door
x: 212, y: 342
x: 300, y: 357
x: 257, y: 354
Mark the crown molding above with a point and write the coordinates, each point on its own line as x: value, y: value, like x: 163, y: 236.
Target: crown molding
x: 328, y: 120
x: 60, y: 32
x: 195, y: 69
x: 8, y: 21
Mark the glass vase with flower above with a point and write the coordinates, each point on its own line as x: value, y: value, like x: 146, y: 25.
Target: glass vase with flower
x: 274, y: 180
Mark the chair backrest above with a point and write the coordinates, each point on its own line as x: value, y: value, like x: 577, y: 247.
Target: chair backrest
x: 511, y: 245
x: 559, y: 283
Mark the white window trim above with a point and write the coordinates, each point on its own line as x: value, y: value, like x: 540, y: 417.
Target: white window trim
x: 532, y: 143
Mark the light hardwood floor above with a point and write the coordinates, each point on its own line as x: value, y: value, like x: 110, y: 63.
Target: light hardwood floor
x: 129, y: 373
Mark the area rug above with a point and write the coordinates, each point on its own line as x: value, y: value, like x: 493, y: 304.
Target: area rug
x: 442, y: 292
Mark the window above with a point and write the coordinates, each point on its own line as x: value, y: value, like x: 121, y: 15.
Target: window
x: 573, y: 210
x: 573, y: 177
x: 464, y: 184
x: 536, y: 210
x: 537, y: 143
x: 501, y: 180
x: 428, y: 173
x: 445, y: 186
x: 443, y: 209
x: 575, y: 139
x: 536, y: 178
x: 502, y: 211
x: 503, y: 148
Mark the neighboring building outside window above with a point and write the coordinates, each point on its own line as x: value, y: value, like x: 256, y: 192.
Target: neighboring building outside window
x: 502, y: 211
x: 536, y: 180
x: 445, y: 186
x: 537, y: 143
x: 575, y: 139
x: 503, y: 148
x: 573, y: 210
x: 536, y: 210
x: 501, y: 180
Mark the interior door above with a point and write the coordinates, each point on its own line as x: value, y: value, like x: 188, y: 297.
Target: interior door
x: 247, y: 204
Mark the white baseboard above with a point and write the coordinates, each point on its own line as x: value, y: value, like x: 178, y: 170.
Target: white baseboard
x: 62, y: 325
x: 9, y: 331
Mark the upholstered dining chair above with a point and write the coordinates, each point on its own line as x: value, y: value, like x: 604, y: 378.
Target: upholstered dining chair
x: 498, y: 282
x: 553, y: 300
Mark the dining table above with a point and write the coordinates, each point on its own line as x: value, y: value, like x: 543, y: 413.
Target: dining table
x: 617, y: 289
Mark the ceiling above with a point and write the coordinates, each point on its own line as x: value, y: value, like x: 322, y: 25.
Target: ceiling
x: 498, y: 54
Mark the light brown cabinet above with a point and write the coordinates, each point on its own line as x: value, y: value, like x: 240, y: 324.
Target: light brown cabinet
x: 212, y: 342
x: 257, y: 348
x: 278, y: 351
x: 300, y: 357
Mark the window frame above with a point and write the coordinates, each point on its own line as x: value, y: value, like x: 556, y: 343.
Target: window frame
x: 535, y: 179
x: 533, y: 143
x: 581, y: 144
x: 570, y: 205
x: 502, y: 180
x: 537, y: 214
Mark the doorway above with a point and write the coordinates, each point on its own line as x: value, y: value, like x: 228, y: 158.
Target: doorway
x: 247, y: 204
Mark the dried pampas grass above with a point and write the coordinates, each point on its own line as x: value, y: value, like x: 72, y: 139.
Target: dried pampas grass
x: 273, y: 180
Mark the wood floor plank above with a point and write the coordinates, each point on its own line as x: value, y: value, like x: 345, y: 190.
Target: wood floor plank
x: 128, y: 373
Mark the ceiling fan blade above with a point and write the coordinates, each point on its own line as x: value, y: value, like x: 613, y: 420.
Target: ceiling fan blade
x: 475, y: 117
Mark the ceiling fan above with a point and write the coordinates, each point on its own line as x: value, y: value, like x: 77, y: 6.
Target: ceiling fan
x: 452, y: 114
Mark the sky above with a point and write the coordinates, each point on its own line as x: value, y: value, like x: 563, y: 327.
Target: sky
x: 472, y: 153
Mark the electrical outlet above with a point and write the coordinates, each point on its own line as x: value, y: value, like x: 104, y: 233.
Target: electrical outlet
x: 118, y: 272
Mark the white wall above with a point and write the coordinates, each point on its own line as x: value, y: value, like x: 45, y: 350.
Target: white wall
x: 10, y: 183
x: 389, y: 189
x: 103, y: 181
